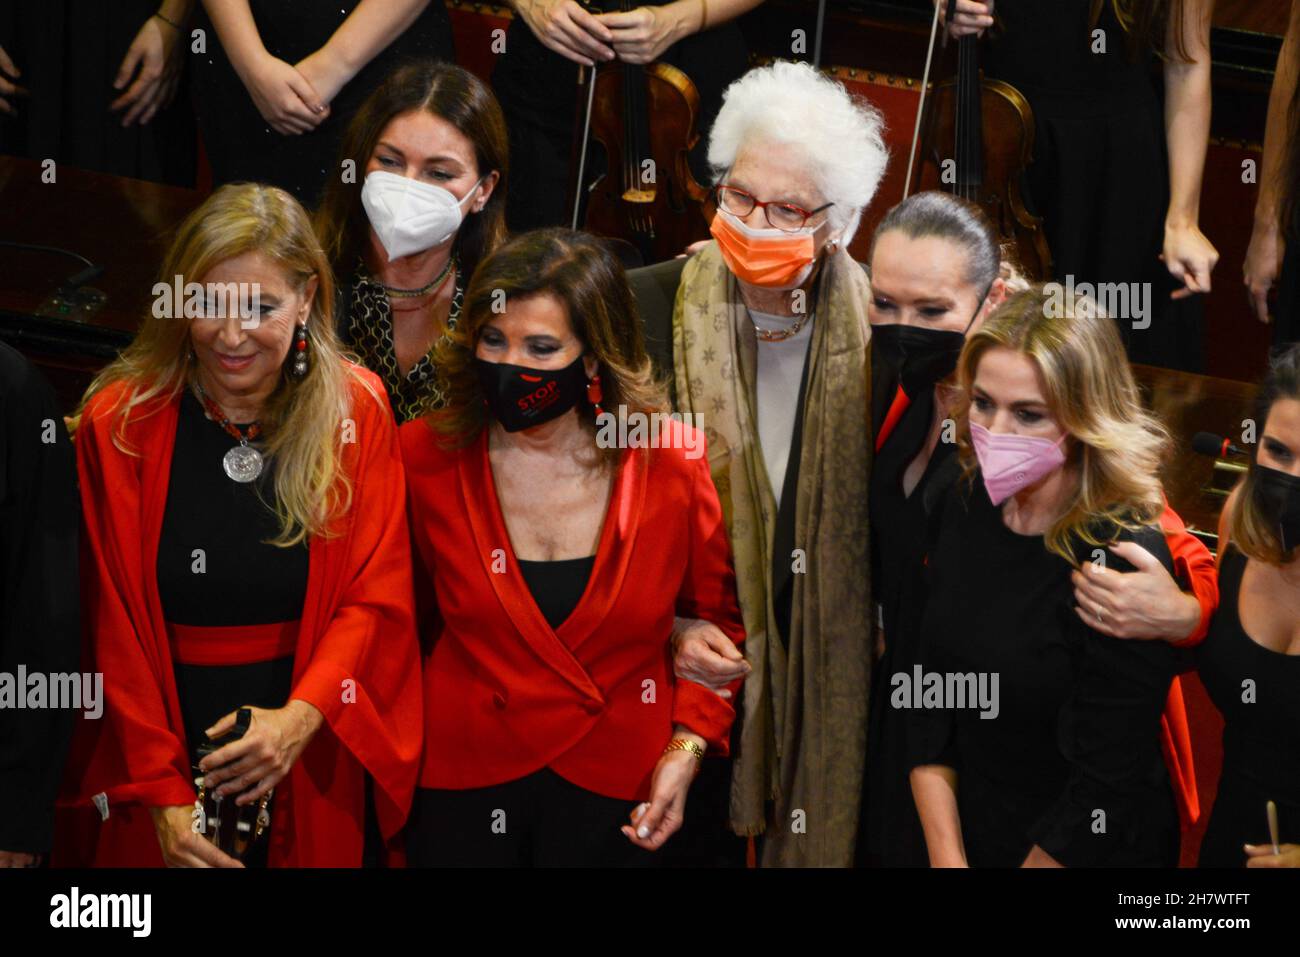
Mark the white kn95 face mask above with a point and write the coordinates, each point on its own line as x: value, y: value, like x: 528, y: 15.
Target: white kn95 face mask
x: 409, y: 216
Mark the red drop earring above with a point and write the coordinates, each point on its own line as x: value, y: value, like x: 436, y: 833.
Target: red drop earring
x: 594, y: 393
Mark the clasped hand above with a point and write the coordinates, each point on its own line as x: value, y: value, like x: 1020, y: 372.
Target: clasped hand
x: 634, y: 36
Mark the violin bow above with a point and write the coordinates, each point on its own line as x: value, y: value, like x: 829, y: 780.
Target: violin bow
x: 817, y: 36
x: 582, y: 154
x: 925, y: 82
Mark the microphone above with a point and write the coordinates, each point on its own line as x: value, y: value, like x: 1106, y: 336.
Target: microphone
x: 1215, y: 446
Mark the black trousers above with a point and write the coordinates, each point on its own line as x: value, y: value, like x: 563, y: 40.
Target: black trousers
x: 540, y: 820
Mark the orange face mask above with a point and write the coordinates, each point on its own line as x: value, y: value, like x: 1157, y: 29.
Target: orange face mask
x: 763, y: 257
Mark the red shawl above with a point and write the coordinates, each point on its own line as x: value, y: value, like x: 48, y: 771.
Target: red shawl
x: 356, y: 659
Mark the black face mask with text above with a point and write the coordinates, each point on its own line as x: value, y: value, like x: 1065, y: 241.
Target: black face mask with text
x: 1277, y: 495
x: 521, y: 396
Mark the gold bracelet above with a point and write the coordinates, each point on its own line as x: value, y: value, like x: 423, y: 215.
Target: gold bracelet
x: 684, y: 744
x: 704, y: 15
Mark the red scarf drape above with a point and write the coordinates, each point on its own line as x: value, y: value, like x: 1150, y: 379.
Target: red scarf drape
x: 356, y: 657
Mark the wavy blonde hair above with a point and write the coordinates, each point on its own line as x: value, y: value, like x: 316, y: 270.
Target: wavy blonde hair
x: 301, y: 421
x: 1090, y: 390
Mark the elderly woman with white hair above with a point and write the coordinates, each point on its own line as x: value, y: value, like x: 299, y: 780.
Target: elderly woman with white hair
x: 769, y: 345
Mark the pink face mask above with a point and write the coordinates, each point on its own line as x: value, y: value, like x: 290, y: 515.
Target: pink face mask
x: 1010, y: 463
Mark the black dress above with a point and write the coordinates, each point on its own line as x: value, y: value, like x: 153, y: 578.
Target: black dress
x: 1286, y: 315
x: 241, y: 145
x: 243, y: 580
x: 1099, y: 176
x: 39, y: 612
x: 538, y: 92
x: 1261, y: 735
x: 889, y: 833
x: 69, y: 53
x: 1071, y: 759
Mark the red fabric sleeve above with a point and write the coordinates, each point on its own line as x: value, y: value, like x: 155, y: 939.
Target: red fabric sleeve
x: 146, y: 761
x: 364, y: 672
x: 708, y: 592
x: 1194, y: 568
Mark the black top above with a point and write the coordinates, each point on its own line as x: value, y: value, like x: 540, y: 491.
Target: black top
x: 1099, y: 175
x: 1050, y: 48
x: 243, y: 580
x: 1071, y: 761
x: 1258, y: 692
x: 39, y: 615
x: 889, y: 832
x: 557, y: 586
x: 898, y: 520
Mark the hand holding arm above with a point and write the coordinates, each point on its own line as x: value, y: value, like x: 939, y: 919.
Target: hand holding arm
x: 367, y: 31
x: 1145, y: 603
x: 566, y: 28
x: 286, y: 99
x: 643, y: 34
x: 703, y: 653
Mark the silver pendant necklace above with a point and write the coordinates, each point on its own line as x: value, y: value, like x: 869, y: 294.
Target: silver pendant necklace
x: 243, y: 463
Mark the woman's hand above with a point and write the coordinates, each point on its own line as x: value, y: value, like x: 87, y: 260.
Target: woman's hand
x: 1262, y: 265
x: 660, y: 819
x: 8, y: 88
x: 326, y: 72
x: 257, y: 762
x: 1146, y: 603
x: 283, y: 96
x: 154, y: 58
x: 971, y: 16
x: 1189, y: 257
x: 181, y: 845
x: 1261, y: 855
x: 704, y: 654
x: 568, y: 29
x: 643, y: 34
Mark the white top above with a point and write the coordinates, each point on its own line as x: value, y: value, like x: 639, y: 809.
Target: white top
x: 780, y: 370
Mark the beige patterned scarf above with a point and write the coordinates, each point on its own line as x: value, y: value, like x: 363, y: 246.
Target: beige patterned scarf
x: 803, y: 739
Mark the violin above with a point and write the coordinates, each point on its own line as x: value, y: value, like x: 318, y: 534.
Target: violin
x: 976, y: 138
x: 647, y: 195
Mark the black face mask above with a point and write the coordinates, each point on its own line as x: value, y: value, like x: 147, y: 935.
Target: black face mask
x: 521, y: 396
x: 1277, y: 495
x: 919, y: 355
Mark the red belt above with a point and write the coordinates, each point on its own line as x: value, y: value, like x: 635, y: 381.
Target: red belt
x: 232, y: 645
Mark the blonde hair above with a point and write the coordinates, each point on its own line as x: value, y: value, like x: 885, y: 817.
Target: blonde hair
x: 301, y: 421
x: 1090, y: 390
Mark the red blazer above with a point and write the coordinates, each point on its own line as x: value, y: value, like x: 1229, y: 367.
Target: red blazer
x: 1195, y: 568
x: 595, y: 700
x: 357, y: 623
